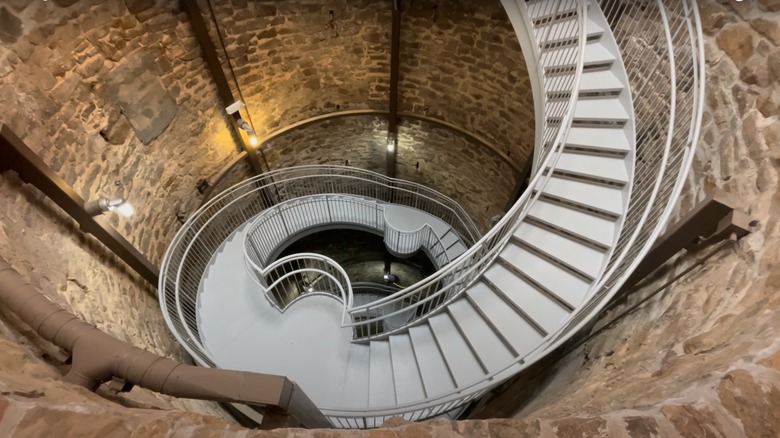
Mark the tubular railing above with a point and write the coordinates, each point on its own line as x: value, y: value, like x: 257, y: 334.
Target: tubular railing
x: 298, y: 275
x: 662, y: 46
x: 561, y: 88
x: 662, y: 50
x: 188, y: 257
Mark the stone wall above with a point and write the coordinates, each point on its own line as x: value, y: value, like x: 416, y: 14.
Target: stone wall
x: 298, y: 59
x: 474, y: 176
x: 700, y: 358
x: 115, y: 97
x: 357, y: 141
x: 439, y: 158
x: 460, y: 62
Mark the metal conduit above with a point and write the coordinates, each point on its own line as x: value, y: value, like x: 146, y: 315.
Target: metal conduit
x: 98, y: 357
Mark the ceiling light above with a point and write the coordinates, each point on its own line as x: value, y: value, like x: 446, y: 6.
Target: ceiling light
x: 253, y: 140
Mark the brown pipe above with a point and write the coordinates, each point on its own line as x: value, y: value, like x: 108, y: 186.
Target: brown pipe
x: 98, y: 357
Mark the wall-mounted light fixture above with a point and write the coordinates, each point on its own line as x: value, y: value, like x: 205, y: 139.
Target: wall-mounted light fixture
x: 391, y: 142
x: 103, y: 205
x: 250, y: 132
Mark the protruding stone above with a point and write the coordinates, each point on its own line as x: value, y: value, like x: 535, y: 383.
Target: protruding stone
x: 769, y: 5
x: 737, y: 42
x: 138, y: 6
x: 10, y: 26
x: 754, y: 406
x: 768, y: 28
x: 136, y: 85
x: 774, y: 63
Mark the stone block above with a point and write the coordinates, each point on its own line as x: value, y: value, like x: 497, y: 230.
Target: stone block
x: 10, y: 26
x: 136, y: 85
x: 738, y: 42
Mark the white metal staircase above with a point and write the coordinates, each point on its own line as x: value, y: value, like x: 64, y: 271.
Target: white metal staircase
x: 593, y: 209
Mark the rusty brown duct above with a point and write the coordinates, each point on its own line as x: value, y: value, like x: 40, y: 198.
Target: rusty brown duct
x: 98, y: 357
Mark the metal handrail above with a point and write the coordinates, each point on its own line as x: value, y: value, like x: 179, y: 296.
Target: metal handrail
x: 681, y: 29
x: 258, y: 250
x: 446, y: 285
x: 669, y: 75
x: 187, y: 258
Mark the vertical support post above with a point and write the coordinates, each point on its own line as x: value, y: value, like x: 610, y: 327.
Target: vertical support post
x: 215, y: 67
x: 392, y: 116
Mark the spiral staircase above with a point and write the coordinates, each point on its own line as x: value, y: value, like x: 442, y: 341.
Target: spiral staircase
x: 618, y: 89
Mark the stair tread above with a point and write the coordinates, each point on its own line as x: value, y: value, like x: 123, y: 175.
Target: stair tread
x: 565, y: 29
x: 567, y: 286
x: 604, y: 109
x: 483, y: 339
x: 599, y: 81
x: 581, y: 257
x: 408, y: 384
x: 515, y: 329
x: 356, y: 383
x: 435, y: 375
x: 608, y: 139
x: 596, y: 53
x: 462, y: 362
x: 593, y: 228
x: 603, y: 198
x: 611, y: 169
x: 545, y: 312
x: 543, y: 9
x: 381, y: 391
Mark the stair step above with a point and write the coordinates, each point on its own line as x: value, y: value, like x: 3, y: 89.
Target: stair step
x: 599, y: 139
x: 381, y: 388
x: 605, y: 112
x: 513, y: 327
x: 436, y: 376
x: 575, y: 255
x: 489, y: 347
x: 449, y: 239
x: 408, y: 382
x: 542, y: 9
x: 591, y: 82
x: 461, y: 360
x: 608, y: 169
x: 554, y: 279
x: 596, y: 54
x: 456, y: 250
x: 356, y: 384
x: 592, y: 228
x: 604, y: 199
x: 543, y: 311
x: 562, y: 31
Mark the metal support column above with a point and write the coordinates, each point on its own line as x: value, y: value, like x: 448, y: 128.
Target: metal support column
x: 392, y: 116
x: 215, y: 67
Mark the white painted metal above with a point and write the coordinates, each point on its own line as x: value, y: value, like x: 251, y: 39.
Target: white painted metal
x: 599, y: 139
x: 408, y: 382
x: 583, y: 258
x: 381, y: 383
x: 606, y: 199
x: 609, y: 169
x: 436, y: 376
x: 457, y: 353
x: 587, y: 226
x: 545, y: 268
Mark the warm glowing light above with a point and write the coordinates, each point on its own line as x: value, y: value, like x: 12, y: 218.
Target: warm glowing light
x: 125, y: 209
x: 253, y: 140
